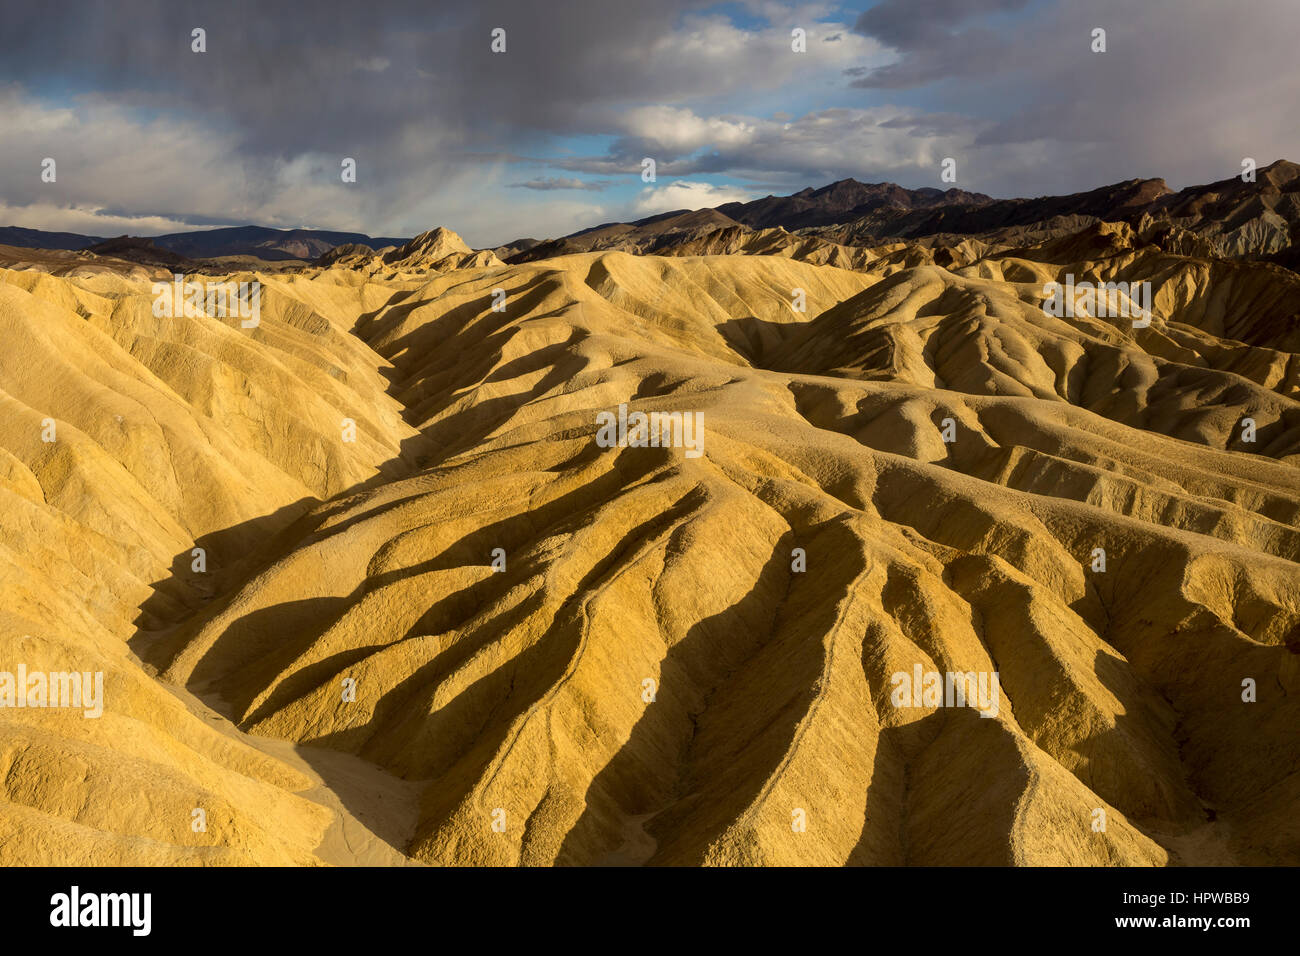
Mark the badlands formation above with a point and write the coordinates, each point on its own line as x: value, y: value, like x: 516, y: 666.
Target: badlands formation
x: 365, y: 587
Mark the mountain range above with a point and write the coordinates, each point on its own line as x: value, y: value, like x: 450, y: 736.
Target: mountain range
x: 1233, y: 218
x: 260, y: 242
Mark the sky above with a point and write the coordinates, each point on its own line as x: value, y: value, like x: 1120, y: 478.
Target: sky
x: 548, y: 137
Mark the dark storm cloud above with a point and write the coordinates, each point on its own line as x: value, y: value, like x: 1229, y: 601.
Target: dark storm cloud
x: 308, y: 76
x: 935, y: 37
x: 1185, y: 90
x: 910, y: 25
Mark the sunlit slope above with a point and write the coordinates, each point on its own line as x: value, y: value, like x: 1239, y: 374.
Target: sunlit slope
x: 658, y: 675
x: 126, y: 441
x: 1217, y: 351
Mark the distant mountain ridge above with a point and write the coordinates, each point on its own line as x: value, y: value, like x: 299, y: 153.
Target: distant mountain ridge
x: 260, y: 241
x: 1232, y: 218
x: 40, y: 239
x: 841, y: 201
x: 1237, y: 219
x: 265, y: 243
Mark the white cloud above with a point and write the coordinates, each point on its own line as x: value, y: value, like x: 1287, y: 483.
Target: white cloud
x: 89, y: 221
x: 685, y: 194
x: 677, y: 130
x: 109, y: 158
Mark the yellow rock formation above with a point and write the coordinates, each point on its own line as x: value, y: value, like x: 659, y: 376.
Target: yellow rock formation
x: 541, y: 650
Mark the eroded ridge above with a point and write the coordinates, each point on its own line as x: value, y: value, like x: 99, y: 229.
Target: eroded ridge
x: 582, y: 653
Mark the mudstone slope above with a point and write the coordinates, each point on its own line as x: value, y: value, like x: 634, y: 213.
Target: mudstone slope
x: 569, y: 653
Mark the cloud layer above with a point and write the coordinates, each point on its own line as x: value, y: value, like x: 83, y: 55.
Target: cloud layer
x: 549, y: 136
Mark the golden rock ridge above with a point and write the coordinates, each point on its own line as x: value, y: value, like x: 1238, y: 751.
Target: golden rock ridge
x: 519, y: 696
